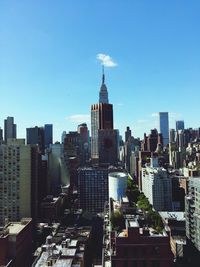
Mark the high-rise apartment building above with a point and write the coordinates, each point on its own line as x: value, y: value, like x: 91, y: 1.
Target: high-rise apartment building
x: 15, y: 180
x: 157, y: 186
x: 164, y: 127
x: 10, y: 129
x: 19, y: 170
x: 192, y: 211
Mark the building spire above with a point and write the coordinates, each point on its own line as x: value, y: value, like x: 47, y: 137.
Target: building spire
x: 103, y: 75
x: 103, y: 94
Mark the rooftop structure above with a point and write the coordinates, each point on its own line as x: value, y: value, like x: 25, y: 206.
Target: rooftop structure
x: 66, y: 248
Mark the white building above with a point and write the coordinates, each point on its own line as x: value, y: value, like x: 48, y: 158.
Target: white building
x: 157, y: 186
x: 117, y: 185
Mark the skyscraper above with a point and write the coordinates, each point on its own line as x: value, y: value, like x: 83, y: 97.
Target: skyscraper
x: 83, y: 131
x: 35, y: 135
x: 10, y: 129
x: 164, y: 127
x: 127, y: 133
x: 48, y: 135
x: 101, y: 118
x: 180, y: 125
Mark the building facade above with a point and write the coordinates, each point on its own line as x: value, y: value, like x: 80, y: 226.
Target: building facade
x: 140, y: 247
x: 48, y: 135
x: 101, y: 119
x: 180, y: 125
x: 16, y: 243
x: 164, y: 127
x: 35, y: 136
x: 157, y: 186
x: 108, y: 146
x: 192, y: 210
x: 92, y: 189
x: 10, y: 129
x: 19, y: 175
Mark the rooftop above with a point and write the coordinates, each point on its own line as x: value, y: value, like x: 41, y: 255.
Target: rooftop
x: 15, y: 228
x: 178, y: 216
x: 133, y: 223
x: 68, y: 252
x: 117, y: 174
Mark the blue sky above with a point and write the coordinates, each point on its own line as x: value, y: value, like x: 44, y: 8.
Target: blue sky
x: 49, y: 71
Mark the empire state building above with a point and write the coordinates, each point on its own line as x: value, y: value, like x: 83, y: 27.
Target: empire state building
x: 102, y: 132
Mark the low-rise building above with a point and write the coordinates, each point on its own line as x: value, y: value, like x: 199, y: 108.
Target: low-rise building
x: 16, y: 243
x: 68, y: 247
x: 137, y: 244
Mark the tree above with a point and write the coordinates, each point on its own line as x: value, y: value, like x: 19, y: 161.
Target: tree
x: 143, y: 203
x: 117, y: 220
x: 154, y: 220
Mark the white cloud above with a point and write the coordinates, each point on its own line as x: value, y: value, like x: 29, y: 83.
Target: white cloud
x: 106, y: 60
x: 79, y: 118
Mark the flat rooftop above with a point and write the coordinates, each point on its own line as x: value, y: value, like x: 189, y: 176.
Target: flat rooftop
x: 125, y: 200
x: 68, y: 252
x: 63, y: 263
x: 73, y: 243
x: 173, y: 215
x: 133, y: 223
x: 15, y: 228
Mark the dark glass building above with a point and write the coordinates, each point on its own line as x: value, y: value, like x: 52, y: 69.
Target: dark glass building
x: 48, y: 135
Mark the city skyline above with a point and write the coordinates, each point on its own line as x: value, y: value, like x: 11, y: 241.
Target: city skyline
x: 50, y: 63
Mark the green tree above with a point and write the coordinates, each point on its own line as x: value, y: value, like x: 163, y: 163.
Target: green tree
x: 117, y: 220
x: 154, y: 220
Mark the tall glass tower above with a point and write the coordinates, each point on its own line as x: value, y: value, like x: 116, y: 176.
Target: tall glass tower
x: 164, y: 127
x: 180, y: 125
